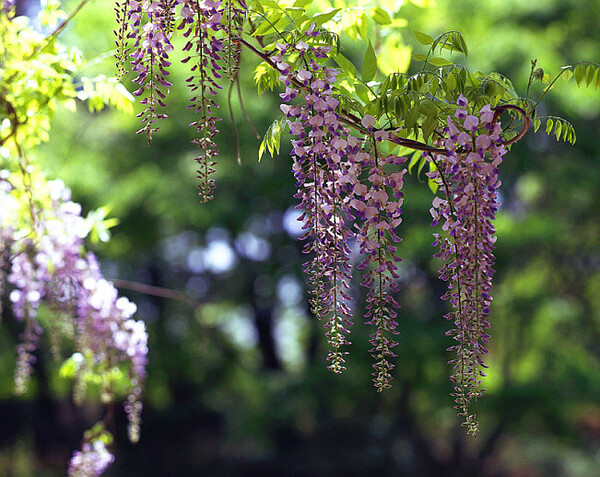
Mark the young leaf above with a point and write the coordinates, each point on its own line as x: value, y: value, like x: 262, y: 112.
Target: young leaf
x: 579, y: 73
x: 589, y: 75
x: 346, y: 65
x: 380, y: 16
x: 419, y: 57
x: 558, y: 130
x: 422, y: 38
x: 321, y: 18
x: 272, y: 138
x: 432, y: 183
x: 439, y: 62
x: 369, y: 64
x: 413, y: 160
x: 268, y: 25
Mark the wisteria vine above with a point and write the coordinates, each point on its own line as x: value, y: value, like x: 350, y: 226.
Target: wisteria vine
x: 45, y: 265
x: 351, y: 136
x: 467, y: 208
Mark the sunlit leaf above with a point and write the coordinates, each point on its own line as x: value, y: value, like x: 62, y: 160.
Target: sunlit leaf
x: 423, y: 38
x: 579, y: 73
x: 380, y: 16
x: 369, y: 64
x: 346, y: 65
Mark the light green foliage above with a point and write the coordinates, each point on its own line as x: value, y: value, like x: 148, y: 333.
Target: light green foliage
x: 37, y: 74
x: 272, y: 138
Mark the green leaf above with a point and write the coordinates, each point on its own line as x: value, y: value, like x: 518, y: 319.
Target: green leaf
x: 302, y: 3
x: 412, y: 117
x: 421, y: 164
x: 272, y: 138
x: 463, y: 45
x: 579, y: 73
x: 413, y: 160
x: 268, y: 24
x: 362, y: 92
x: 297, y: 14
x: 568, y: 74
x: 450, y: 40
x: 536, y: 125
x: 589, y: 75
x: 419, y: 57
x: 422, y: 38
x: 321, y: 18
x: 346, y: 65
x: 432, y: 183
x: 451, y: 82
x: 440, y: 62
x: 380, y: 16
x: 369, y: 64
x: 549, y: 124
x: 265, y: 77
x: 429, y: 126
x: 558, y: 130
x: 597, y: 78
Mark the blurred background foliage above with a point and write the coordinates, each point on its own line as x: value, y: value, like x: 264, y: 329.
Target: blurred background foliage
x: 237, y: 383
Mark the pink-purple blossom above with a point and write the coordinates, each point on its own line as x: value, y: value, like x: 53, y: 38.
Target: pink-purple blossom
x: 467, y: 209
x: 50, y: 268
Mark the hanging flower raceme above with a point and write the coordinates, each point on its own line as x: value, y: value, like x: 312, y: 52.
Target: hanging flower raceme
x: 149, y: 23
x: 49, y: 269
x: 377, y: 204
x: 319, y: 148
x: 468, y: 179
x: 233, y: 17
x: 202, y: 22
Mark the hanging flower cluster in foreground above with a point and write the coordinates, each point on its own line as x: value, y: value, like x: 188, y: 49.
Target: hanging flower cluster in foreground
x: 338, y: 208
x: 349, y: 133
x: 469, y: 189
x: 48, y: 271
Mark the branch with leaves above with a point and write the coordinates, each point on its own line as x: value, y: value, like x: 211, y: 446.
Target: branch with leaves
x: 352, y: 134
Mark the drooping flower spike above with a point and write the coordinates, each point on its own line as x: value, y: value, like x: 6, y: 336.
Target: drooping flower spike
x: 467, y: 207
x: 330, y: 165
x: 319, y: 149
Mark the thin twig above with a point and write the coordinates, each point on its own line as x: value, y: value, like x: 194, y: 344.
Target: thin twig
x: 243, y: 108
x: 58, y: 29
x: 233, y: 122
x: 156, y: 291
x: 521, y: 111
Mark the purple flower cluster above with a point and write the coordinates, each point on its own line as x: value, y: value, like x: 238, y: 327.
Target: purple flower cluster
x: 150, y: 24
x: 342, y: 180
x: 468, y: 177
x: 213, y: 28
x: 49, y: 267
x: 92, y: 460
x: 378, y: 203
x: 203, y: 22
x: 319, y: 146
